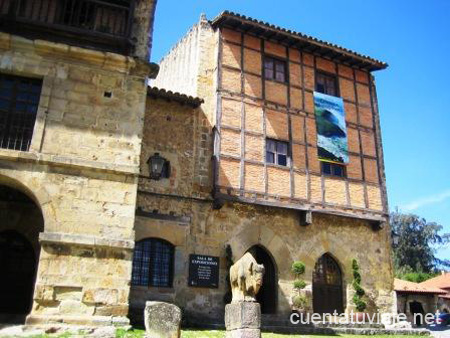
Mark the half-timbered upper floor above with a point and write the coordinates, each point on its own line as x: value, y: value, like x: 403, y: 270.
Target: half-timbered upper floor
x: 270, y: 148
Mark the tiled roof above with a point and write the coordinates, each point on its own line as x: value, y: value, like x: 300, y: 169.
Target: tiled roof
x: 411, y: 287
x: 169, y: 95
x: 296, y: 39
x: 442, y: 281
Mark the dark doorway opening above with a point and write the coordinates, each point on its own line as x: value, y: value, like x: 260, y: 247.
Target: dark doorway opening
x: 418, y: 312
x: 21, y: 222
x: 267, y: 295
x: 18, y: 266
x: 327, y: 286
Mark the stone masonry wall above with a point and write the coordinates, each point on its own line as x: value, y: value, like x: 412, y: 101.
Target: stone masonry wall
x: 208, y: 232
x: 81, y: 170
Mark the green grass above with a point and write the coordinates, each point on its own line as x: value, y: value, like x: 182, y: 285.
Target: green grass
x: 221, y: 334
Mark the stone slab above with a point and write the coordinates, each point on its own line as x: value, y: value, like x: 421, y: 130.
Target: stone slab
x: 162, y: 320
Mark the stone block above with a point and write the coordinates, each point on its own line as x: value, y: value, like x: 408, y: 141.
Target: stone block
x: 162, y: 320
x: 100, y: 296
x: 243, y: 319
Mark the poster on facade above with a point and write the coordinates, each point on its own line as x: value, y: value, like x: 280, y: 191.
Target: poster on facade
x: 332, y: 142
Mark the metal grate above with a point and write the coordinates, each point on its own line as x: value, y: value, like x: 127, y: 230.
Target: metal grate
x: 19, y: 101
x: 108, y: 16
x: 153, y: 263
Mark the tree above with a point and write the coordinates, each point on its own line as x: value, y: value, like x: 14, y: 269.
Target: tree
x: 414, y: 244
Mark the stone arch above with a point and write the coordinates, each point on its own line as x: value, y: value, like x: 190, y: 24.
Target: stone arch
x: 267, y: 296
x: 248, y: 236
x: 39, y: 195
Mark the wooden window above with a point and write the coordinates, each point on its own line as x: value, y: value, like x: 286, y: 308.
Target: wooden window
x: 274, y: 69
x: 153, y: 261
x: 333, y: 169
x: 277, y: 152
x: 326, y: 84
x: 19, y: 101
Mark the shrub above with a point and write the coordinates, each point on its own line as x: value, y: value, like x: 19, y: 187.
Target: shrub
x: 299, y: 301
x: 298, y: 268
x: 299, y: 284
x: 359, y: 291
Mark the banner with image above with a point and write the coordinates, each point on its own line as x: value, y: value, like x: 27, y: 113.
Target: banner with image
x: 331, y: 128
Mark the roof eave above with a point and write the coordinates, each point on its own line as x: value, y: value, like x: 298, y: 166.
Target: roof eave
x: 295, y: 39
x: 169, y: 95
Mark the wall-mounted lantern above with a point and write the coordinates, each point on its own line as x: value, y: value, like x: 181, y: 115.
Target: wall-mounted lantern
x: 159, y: 167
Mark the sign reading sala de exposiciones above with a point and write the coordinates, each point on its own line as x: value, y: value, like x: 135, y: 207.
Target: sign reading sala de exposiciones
x: 203, y: 271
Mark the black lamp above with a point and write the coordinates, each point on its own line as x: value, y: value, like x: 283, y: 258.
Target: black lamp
x: 157, y: 165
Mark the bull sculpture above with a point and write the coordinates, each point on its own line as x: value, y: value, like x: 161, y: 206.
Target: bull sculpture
x: 246, y: 277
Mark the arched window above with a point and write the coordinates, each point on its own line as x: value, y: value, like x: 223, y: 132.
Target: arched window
x: 153, y: 263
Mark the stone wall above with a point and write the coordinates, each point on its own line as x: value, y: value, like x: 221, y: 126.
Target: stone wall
x: 81, y: 170
x: 207, y: 232
x: 429, y: 303
x: 181, y: 211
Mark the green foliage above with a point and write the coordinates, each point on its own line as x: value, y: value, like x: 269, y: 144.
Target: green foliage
x: 414, y: 244
x: 359, y: 291
x: 298, y: 268
x: 416, y: 277
x: 299, y: 301
x: 299, y: 284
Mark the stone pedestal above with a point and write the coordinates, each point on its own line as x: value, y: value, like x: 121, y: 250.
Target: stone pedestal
x: 243, y: 320
x: 162, y: 320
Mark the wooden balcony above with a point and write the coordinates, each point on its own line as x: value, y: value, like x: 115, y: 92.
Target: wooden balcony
x: 102, y: 25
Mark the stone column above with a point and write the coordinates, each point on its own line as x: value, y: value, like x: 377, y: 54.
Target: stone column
x: 243, y: 320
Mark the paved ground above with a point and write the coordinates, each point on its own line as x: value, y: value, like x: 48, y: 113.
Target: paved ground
x: 440, y: 332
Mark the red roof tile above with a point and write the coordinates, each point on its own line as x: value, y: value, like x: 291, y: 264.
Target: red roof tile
x: 411, y: 287
x: 441, y: 281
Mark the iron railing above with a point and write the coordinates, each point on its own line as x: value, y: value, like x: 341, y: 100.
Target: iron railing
x: 107, y: 18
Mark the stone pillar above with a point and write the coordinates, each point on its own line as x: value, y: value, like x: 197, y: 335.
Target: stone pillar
x: 243, y: 320
x: 162, y: 320
x: 142, y: 32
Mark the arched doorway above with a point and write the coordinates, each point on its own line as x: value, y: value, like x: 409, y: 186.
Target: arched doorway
x: 21, y: 222
x: 267, y: 295
x: 327, y: 286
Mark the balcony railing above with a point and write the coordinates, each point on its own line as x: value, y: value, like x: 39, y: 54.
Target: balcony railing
x: 102, y: 24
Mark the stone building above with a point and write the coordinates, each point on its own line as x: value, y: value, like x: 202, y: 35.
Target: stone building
x: 240, y: 171
x: 415, y: 300
x: 73, y: 81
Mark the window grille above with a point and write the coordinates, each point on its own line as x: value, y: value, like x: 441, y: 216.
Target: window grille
x: 19, y: 101
x: 153, y: 263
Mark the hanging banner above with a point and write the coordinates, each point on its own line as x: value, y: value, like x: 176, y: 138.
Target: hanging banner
x: 331, y: 128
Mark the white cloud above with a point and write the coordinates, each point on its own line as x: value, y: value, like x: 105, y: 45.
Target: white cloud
x: 438, y: 198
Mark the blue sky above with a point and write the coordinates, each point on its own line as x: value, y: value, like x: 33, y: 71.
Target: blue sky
x: 412, y: 36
